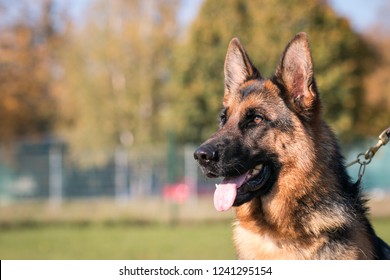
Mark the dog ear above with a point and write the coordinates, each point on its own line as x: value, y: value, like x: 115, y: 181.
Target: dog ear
x: 238, y: 67
x: 295, y: 73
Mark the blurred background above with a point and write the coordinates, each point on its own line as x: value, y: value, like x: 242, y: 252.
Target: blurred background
x: 103, y: 102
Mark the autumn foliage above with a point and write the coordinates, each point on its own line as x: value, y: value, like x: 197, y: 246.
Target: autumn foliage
x: 130, y: 68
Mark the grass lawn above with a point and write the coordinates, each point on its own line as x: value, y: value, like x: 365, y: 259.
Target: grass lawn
x: 201, y: 241
x: 382, y: 228
x: 102, y: 230
x: 190, y: 241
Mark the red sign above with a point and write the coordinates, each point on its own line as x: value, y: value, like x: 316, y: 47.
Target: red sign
x: 178, y: 192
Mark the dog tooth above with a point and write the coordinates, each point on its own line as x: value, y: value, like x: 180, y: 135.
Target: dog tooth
x: 216, y: 186
x: 258, y: 167
x: 255, y: 172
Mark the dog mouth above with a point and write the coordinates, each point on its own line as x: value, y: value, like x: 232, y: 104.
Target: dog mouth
x: 234, y: 191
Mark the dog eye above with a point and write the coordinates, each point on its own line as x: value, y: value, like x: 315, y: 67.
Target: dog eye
x: 222, y: 118
x: 257, y: 119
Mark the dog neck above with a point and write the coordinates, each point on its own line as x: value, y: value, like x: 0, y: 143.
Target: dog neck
x: 291, y: 216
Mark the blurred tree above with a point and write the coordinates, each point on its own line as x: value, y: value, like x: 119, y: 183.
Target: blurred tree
x: 27, y: 43
x: 116, y: 68
x: 341, y: 58
x: 376, y: 114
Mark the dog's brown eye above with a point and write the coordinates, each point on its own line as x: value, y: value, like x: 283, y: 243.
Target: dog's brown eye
x: 258, y: 119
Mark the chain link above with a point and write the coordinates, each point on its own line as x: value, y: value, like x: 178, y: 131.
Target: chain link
x: 365, y: 158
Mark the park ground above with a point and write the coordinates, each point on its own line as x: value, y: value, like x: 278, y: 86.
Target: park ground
x: 142, y: 229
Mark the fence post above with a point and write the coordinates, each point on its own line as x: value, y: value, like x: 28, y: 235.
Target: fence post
x: 171, y: 158
x: 55, y: 175
x: 191, y: 174
x: 122, y: 191
x: 121, y: 175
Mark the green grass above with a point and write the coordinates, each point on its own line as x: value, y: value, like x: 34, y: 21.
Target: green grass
x: 100, y: 229
x: 200, y: 241
x: 382, y: 228
x: 154, y: 241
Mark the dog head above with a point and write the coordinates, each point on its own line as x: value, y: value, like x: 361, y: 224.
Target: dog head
x: 260, y: 124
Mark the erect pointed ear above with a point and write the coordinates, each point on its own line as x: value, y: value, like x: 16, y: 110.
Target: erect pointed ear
x: 295, y: 73
x: 238, y: 67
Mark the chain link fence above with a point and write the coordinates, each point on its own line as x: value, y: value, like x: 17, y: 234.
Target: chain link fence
x: 46, y: 171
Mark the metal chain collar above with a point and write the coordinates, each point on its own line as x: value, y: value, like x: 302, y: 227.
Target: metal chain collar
x: 365, y: 158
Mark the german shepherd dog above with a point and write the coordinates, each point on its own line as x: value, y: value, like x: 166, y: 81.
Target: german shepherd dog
x: 282, y: 166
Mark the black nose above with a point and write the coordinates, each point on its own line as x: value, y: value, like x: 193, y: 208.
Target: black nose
x: 206, y: 153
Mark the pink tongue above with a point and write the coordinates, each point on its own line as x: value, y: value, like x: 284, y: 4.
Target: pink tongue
x: 226, y: 192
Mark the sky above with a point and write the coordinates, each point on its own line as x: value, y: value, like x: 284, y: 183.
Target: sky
x: 361, y: 13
